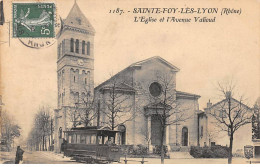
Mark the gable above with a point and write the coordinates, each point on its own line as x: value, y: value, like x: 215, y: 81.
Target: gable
x: 223, y: 105
x: 155, y: 59
x: 142, y: 70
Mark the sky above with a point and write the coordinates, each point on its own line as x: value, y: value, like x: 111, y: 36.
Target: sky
x: 205, y: 53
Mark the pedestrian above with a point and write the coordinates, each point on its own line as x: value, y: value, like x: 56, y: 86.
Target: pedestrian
x: 19, y: 155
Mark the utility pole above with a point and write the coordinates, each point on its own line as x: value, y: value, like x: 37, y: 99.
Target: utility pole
x: 98, y: 114
x: 51, y: 132
x: 258, y: 122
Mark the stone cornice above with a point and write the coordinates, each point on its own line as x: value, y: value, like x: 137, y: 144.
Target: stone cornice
x: 75, y: 67
x: 75, y: 29
x: 77, y: 56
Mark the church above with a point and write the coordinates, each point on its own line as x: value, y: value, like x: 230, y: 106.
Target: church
x: 131, y: 102
x: 141, y: 88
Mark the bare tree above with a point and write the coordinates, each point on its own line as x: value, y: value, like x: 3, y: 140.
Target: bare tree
x: 74, y: 115
x: 230, y: 114
x: 83, y: 111
x: 256, y: 121
x: 147, y: 136
x: 162, y: 99
x: 41, y: 130
x: 9, y: 129
x: 34, y: 139
x: 117, y: 106
x: 88, y: 109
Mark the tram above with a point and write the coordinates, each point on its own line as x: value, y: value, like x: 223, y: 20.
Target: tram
x: 91, y: 145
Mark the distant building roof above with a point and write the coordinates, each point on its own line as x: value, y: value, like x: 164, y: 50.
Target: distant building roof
x: 226, y: 100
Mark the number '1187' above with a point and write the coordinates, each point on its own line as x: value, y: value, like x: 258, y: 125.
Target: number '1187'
x: 117, y: 11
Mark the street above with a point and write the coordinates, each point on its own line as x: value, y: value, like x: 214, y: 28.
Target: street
x: 36, y: 157
x: 46, y: 157
x: 186, y: 161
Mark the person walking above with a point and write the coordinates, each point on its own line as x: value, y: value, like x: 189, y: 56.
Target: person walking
x: 19, y: 155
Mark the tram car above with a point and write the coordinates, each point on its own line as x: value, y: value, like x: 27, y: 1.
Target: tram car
x: 91, y: 145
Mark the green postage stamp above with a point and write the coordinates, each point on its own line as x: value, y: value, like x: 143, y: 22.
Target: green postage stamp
x: 33, y: 20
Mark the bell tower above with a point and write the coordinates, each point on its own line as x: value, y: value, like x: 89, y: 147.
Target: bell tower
x: 75, y: 67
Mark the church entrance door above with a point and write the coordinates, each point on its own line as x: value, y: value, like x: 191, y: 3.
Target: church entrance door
x: 156, y: 131
x: 184, y: 136
x: 257, y: 151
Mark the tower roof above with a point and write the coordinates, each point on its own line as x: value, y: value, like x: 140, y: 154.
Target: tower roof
x: 77, y: 19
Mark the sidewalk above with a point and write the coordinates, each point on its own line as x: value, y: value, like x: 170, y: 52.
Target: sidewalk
x: 56, y: 156
x: 7, y: 157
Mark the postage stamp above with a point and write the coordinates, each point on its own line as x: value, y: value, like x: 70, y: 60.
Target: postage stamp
x: 33, y: 20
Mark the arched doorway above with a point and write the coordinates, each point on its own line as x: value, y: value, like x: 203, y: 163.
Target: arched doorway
x: 184, y: 136
x: 122, y: 130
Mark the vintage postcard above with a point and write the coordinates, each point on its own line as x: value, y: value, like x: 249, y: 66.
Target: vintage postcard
x: 129, y: 82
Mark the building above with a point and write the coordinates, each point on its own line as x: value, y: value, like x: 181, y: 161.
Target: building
x: 135, y: 86
x: 218, y: 133
x: 256, y: 129
x: 1, y: 108
x: 75, y: 68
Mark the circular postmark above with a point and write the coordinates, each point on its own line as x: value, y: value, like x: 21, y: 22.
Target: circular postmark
x: 36, y: 24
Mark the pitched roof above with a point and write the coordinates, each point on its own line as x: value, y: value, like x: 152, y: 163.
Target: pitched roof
x: 185, y: 95
x: 226, y: 100
x: 139, y: 63
x: 77, y: 19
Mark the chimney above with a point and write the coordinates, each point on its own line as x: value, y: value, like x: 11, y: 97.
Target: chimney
x: 209, y: 104
x: 228, y: 94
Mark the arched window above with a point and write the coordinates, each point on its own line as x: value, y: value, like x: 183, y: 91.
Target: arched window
x: 184, y: 136
x: 77, y: 46
x: 122, y: 130
x: 83, y: 47
x: 72, y: 45
x: 74, y: 79
x: 88, y: 48
x: 60, y: 132
x: 85, y: 81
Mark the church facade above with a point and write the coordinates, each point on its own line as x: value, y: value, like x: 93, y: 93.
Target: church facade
x: 137, y: 86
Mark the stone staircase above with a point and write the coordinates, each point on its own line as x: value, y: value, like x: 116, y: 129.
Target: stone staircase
x: 180, y: 152
x: 180, y: 155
